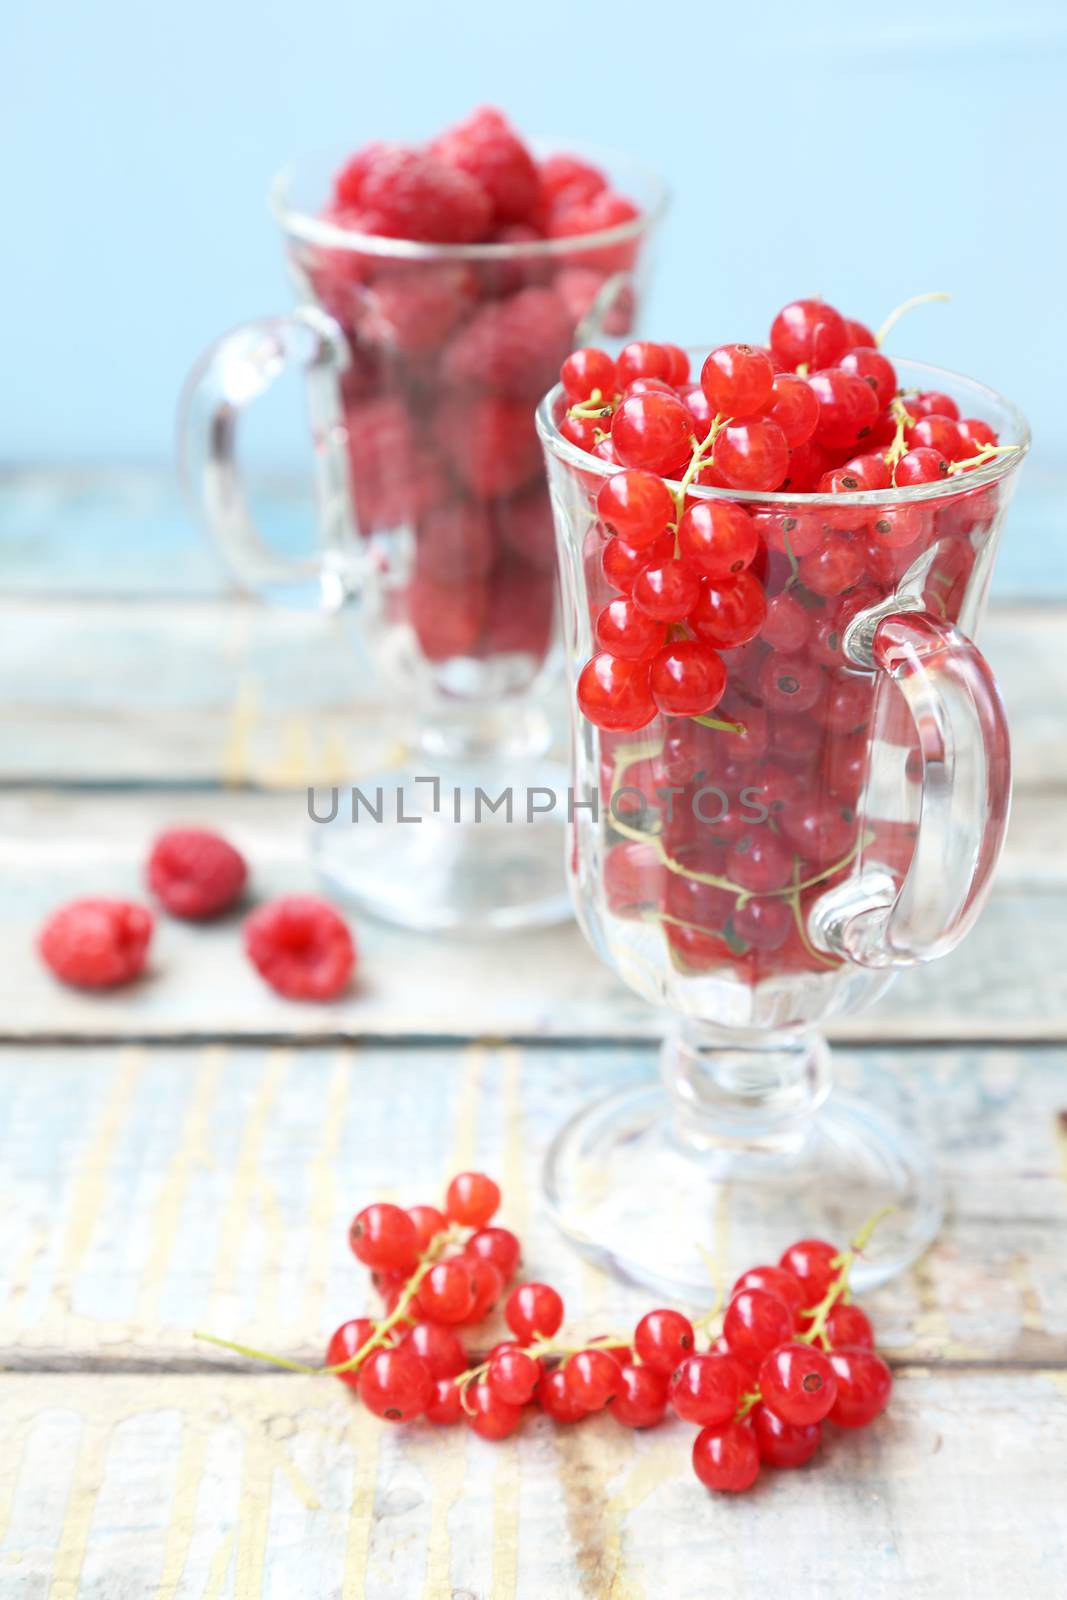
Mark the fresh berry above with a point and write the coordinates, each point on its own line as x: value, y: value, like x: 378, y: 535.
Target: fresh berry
x: 726, y: 1458
x: 429, y: 1222
x: 96, y: 944
x: 384, y: 1236
x: 593, y: 1378
x: 395, y: 1384
x: 195, y: 873
x: 348, y: 1340
x: 411, y: 194
x: 864, y: 1383
x: 813, y: 1262
x: 637, y: 505
x: 301, y: 947
x: 446, y: 1294
x: 717, y: 539
x: 663, y: 1339
x: 729, y: 612
x: 587, y: 372
x: 446, y: 1407
x: 498, y: 1245
x: 615, y: 694
x: 737, y: 380
x: 751, y: 454
x: 756, y: 1322
x: 554, y: 1397
x: 687, y: 679
x: 705, y: 1389
x: 783, y: 1445
x: 472, y: 1199
x: 533, y: 1311
x: 847, y: 1324
x: 513, y: 347
x: 438, y: 1347
x: 513, y: 1375
x: 489, y: 1416
x: 486, y: 147
x: 640, y: 1401
x: 652, y: 431
x: 809, y: 333
x: 798, y: 1383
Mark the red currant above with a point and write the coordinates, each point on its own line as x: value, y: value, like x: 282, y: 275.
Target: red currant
x: 798, y: 1383
x: 429, y: 1222
x: 687, y: 679
x: 718, y: 539
x: 679, y: 364
x: 975, y: 435
x: 787, y: 624
x: 874, y: 368
x: 487, y: 1282
x: 498, y: 1245
x: 794, y: 408
x: 582, y: 432
x: 662, y: 1339
x: 847, y: 1324
x: 864, y: 1383
x: 756, y: 1321
x: 848, y: 407
x: 737, y: 380
x: 809, y: 333
x: 705, y: 1389
x: 652, y: 431
x: 667, y: 592
x: 585, y: 372
x: 764, y: 924
x: 438, y: 1347
x: 615, y: 694
x: 533, y: 1310
x: 781, y: 1444
x: 836, y: 565
x: 513, y: 1375
x: 790, y: 683
x: 555, y: 1399
x: 812, y: 1262
x: 641, y: 1398
x: 384, y: 1236
x: 898, y: 527
x: 931, y: 403
x: 643, y: 359
x: 346, y: 1342
x: 471, y: 1199
x: 859, y: 334
x: 446, y: 1294
x: 729, y: 612
x: 625, y: 631
x: 726, y: 1458
x: 620, y: 562
x: 593, y: 1378
x: 760, y: 862
x: 752, y: 454
x: 446, y: 1407
x: 920, y: 466
x: 940, y: 434
x: 636, y: 505
x: 395, y: 1384
x: 489, y: 1416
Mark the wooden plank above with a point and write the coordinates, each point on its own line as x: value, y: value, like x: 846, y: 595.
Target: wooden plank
x: 178, y: 1487
x: 150, y: 1192
x: 230, y: 692
x: 544, y: 984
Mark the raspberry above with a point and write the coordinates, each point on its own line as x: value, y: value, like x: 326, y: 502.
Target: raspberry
x: 525, y: 527
x: 521, y: 610
x: 603, y: 211
x: 447, y: 618
x: 454, y: 543
x: 487, y: 147
x: 195, y: 873
x: 349, y: 182
x: 491, y: 442
x: 514, y: 346
x: 380, y: 448
x: 406, y: 194
x: 414, y: 312
x: 565, y: 180
x: 96, y: 944
x: 578, y: 288
x: 301, y: 947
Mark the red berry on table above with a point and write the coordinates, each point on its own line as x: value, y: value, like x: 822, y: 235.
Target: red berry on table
x: 532, y: 1311
x: 446, y: 1407
x: 637, y: 505
x: 652, y: 431
x: 429, y: 1222
x: 687, y: 679
x: 643, y: 359
x: 446, y: 1294
x: 921, y: 465
x: 726, y: 1458
x: 384, y: 1236
x: 667, y: 591
x: 438, y: 1347
x: 498, y: 1245
x: 593, y: 1378
x: 487, y: 1282
x: 812, y: 1263
x: 348, y: 1340
x: 96, y: 944
x: 751, y: 454
x: 756, y: 1321
x: 513, y: 1375
x: 737, y: 380
x: 798, y: 1383
x: 554, y: 1398
x: 717, y: 539
x: 864, y: 1383
x: 195, y: 873
x: 781, y: 1444
x: 586, y: 371
x: 793, y: 407
x: 705, y: 1389
x: 641, y: 1398
x: 301, y: 947
x: 875, y: 369
x: 620, y: 562
x: 625, y: 631
x: 489, y: 1416
x: 615, y: 694
x: 848, y: 407
x: 471, y: 1199
x: 395, y: 1384
x: 730, y: 611
x: 847, y: 1324
x: 663, y: 1339
x: 809, y: 333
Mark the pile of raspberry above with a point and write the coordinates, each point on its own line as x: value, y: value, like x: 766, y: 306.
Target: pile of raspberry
x: 790, y: 1352
x: 818, y: 410
x: 297, y: 943
x: 449, y: 355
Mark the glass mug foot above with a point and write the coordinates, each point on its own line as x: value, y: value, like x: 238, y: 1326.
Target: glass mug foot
x: 638, y: 1193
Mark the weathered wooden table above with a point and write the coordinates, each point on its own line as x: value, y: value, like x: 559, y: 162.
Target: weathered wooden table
x: 189, y: 1155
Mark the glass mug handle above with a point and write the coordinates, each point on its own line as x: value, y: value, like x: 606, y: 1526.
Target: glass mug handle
x: 229, y: 376
x: 965, y: 754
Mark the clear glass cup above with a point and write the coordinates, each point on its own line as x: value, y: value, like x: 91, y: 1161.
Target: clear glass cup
x: 423, y: 375
x: 838, y: 817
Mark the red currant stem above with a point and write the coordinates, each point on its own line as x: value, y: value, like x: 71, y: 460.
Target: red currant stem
x: 749, y: 1401
x: 592, y: 407
x: 430, y: 1256
x: 903, y: 419
x: 894, y: 316
x: 722, y: 724
x: 839, y: 1289
x: 702, y: 449
x: 798, y: 918
x: 257, y: 1355
x: 794, y: 564
x: 987, y: 453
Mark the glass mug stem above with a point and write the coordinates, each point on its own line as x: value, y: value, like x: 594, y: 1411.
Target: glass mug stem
x: 727, y: 1095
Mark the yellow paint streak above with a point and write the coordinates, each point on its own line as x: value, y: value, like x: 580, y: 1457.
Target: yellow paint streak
x: 253, y: 1518
x: 192, y: 1155
x: 505, y: 1533
x: 293, y: 766
x: 219, y: 1569
x: 445, y: 1467
x: 322, y: 1190
x: 336, y: 762
x: 1059, y: 1139
x: 236, y: 760
x: 465, y: 1132
x: 363, y: 1434
x: 85, y: 1484
x: 655, y: 1466
x: 33, y: 1250
x: 11, y: 1457
x: 245, y: 1181
x: 512, y: 1172
x: 188, y: 1475
x: 1029, y: 1303
x: 90, y: 1188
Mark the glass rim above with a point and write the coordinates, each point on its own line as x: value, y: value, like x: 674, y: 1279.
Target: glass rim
x: 301, y: 224
x: 1000, y: 466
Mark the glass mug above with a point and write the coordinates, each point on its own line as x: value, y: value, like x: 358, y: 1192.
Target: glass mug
x: 433, y: 515
x: 836, y: 818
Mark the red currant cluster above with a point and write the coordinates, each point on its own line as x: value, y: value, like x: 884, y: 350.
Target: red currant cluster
x: 793, y: 1350
x: 298, y: 943
x: 818, y: 410
x: 450, y: 352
